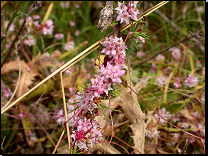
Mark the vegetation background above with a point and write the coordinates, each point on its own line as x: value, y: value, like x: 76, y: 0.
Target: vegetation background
x: 170, y: 24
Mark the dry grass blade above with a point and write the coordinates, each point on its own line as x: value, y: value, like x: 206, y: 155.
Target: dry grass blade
x: 57, y: 145
x: 65, y: 109
x: 4, y: 4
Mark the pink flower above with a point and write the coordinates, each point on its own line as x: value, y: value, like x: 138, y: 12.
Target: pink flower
x: 140, y: 54
x: 65, y: 5
x: 142, y: 39
x: 121, y: 8
x: 176, y: 53
x: 98, y: 87
x: 7, y: 93
x: 30, y: 41
x: 132, y: 4
x: 37, y: 25
x: 162, y: 81
x: 69, y: 71
x: 166, y: 115
x: 176, y: 136
x: 151, y: 134
x: 198, y: 64
x: 28, y: 68
x: 114, y: 47
x: 184, y: 125
x: 191, y: 81
x: 200, y: 9
x: 153, y: 68
x: 87, y: 134
x: 77, y: 33
x: 69, y: 46
x: 160, y: 57
x: 60, y: 118
x: 36, y: 17
x: 177, y: 84
x: 191, y: 140
x: 112, y: 72
x: 59, y: 36
x: 21, y: 115
x: 76, y: 6
x: 123, y: 17
x: 72, y: 23
x: 48, y: 27
x: 71, y: 90
x: 133, y: 12
x: 29, y: 19
x: 127, y: 13
x: 88, y: 76
x: 175, y: 118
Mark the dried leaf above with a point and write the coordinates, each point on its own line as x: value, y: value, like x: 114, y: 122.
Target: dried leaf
x: 43, y: 61
x: 70, y: 80
x: 27, y: 77
x: 185, y: 113
x: 104, y: 146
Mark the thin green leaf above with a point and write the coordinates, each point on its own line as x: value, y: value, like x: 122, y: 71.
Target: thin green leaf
x: 80, y: 85
x: 103, y: 113
x: 73, y: 109
x: 111, y: 108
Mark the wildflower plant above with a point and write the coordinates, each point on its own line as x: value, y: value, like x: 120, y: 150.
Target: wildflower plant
x: 109, y: 74
x: 128, y: 91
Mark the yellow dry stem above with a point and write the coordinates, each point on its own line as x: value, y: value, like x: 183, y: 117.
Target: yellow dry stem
x: 47, y: 13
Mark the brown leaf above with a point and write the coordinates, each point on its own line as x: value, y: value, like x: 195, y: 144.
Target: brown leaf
x: 26, y: 79
x: 13, y: 66
x: 104, y: 146
x: 185, y: 112
x: 70, y: 80
x: 43, y: 61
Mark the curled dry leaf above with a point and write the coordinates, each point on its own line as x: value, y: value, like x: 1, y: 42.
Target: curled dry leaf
x: 43, y: 61
x: 70, y: 80
x: 128, y: 101
x: 109, y: 149
x: 185, y: 112
x: 27, y: 77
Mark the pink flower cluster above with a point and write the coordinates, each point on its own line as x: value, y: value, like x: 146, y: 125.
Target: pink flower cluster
x: 86, y: 134
x: 111, y: 70
x: 176, y: 53
x: 46, y: 29
x: 150, y: 134
x: 127, y: 13
x: 109, y: 73
x: 7, y: 93
x: 69, y: 45
x: 60, y: 117
x: 191, y: 81
x: 166, y: 115
x: 30, y: 41
x: 177, y: 84
x: 59, y: 36
x: 162, y: 81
